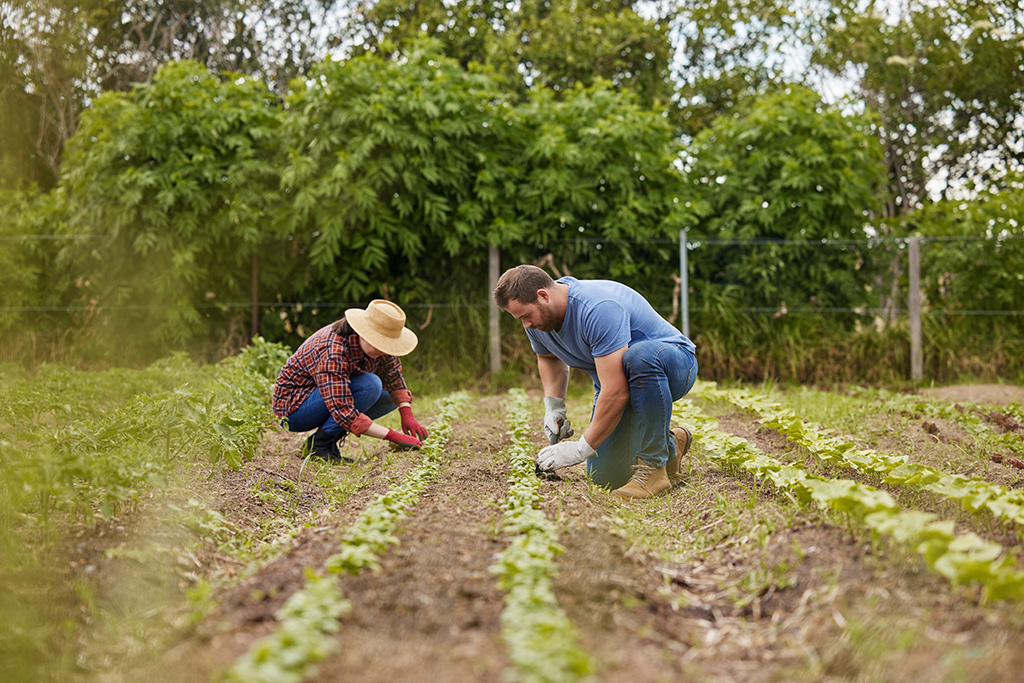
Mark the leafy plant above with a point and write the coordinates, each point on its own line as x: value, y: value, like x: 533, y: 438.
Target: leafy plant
x: 542, y: 641
x: 962, y: 559
x: 972, y: 493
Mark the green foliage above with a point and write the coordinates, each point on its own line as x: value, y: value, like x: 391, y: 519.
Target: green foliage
x: 728, y: 53
x: 551, y: 44
x: 176, y: 177
x: 402, y: 172
x: 944, y: 79
x: 101, y: 456
x: 392, y: 167
x: 973, y: 252
x: 787, y: 169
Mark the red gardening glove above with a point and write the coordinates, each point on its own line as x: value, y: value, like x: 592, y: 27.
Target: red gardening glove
x: 410, y: 425
x: 403, y: 441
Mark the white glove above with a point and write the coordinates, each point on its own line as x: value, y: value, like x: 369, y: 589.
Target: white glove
x: 564, y: 454
x: 556, y: 424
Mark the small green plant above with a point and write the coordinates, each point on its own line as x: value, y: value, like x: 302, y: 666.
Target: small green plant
x: 310, y: 615
x: 542, y: 641
x: 974, y: 494
x: 962, y: 559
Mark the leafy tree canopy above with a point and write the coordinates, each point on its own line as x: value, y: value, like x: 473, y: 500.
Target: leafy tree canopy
x: 175, y: 177
x: 946, y: 79
x: 550, y: 43
x: 786, y: 169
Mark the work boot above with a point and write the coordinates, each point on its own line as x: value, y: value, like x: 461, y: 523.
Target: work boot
x: 647, y: 481
x: 322, y: 445
x: 684, y: 439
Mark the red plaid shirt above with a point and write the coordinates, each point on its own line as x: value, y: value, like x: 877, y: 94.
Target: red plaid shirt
x: 326, y: 361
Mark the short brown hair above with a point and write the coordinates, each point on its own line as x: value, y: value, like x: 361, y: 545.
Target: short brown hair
x: 521, y: 283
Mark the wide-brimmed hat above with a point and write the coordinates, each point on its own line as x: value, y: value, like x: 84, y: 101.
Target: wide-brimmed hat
x: 382, y: 324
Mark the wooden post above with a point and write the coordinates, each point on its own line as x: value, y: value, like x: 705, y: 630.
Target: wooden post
x: 493, y: 262
x: 914, y: 304
x: 255, y: 297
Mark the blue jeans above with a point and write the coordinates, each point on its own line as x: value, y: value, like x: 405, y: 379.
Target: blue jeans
x: 367, y: 393
x: 658, y: 374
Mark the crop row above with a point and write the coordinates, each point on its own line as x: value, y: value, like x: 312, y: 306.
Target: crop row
x: 969, y: 417
x: 310, y: 615
x: 974, y: 494
x: 963, y: 560
x: 541, y: 639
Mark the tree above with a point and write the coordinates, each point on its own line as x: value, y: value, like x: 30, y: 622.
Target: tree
x: 787, y: 169
x: 551, y: 43
x: 57, y: 56
x: 176, y: 178
x: 727, y: 51
x: 973, y: 256
x: 393, y: 168
x: 946, y: 79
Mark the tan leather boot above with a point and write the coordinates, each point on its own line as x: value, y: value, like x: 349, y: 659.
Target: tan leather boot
x: 684, y: 439
x: 647, y: 481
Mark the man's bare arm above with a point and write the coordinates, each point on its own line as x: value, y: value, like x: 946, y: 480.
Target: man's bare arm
x: 554, y: 375
x: 612, y: 399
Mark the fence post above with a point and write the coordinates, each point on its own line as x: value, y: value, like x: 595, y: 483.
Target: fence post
x: 684, y: 284
x: 493, y: 261
x: 914, y: 304
x: 255, y: 291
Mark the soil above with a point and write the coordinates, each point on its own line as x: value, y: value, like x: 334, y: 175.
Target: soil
x: 999, y: 394
x: 727, y: 582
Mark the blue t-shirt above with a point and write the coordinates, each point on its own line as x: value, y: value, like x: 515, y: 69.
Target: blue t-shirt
x: 601, y: 317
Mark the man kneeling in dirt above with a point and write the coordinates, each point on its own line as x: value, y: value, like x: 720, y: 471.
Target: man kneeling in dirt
x: 640, y: 365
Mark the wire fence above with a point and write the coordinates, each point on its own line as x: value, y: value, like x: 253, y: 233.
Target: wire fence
x: 693, y: 245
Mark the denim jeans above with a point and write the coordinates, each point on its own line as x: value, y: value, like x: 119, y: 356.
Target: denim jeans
x: 658, y: 374
x: 367, y: 393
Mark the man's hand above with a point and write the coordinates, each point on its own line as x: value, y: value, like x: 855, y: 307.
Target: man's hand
x: 556, y: 424
x: 564, y: 454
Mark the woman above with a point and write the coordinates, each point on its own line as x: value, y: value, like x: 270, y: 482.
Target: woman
x: 346, y: 375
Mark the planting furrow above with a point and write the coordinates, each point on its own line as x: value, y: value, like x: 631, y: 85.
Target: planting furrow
x: 309, y: 616
x: 432, y: 612
x: 542, y: 641
x: 962, y: 559
x: 974, y: 494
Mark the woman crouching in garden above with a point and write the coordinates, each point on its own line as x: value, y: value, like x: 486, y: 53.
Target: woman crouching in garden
x: 346, y: 375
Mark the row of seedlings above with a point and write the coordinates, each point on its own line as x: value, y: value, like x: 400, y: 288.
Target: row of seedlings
x: 973, y: 493
x: 310, y: 616
x: 968, y: 416
x: 542, y: 641
x: 964, y: 559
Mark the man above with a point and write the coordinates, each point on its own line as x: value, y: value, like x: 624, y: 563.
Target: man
x: 639, y: 363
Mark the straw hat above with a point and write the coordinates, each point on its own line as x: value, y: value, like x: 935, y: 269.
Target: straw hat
x: 382, y: 324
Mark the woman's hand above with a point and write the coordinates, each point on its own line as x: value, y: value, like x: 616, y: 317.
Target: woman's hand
x: 402, y: 440
x: 410, y: 425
